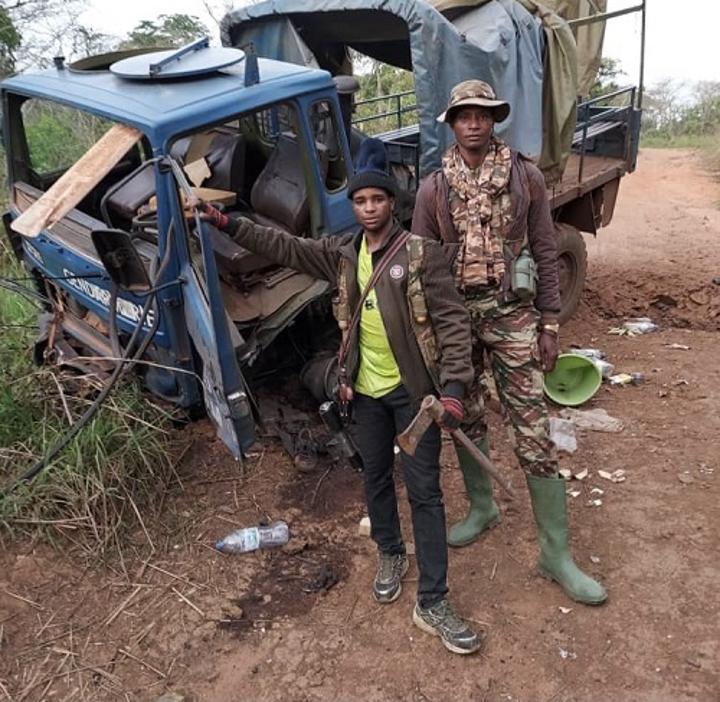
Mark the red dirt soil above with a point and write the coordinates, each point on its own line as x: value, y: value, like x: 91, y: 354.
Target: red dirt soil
x: 219, y: 628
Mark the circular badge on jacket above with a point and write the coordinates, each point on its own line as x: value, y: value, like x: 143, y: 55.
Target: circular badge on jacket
x: 397, y: 272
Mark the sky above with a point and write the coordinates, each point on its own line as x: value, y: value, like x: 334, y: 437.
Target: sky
x: 681, y: 38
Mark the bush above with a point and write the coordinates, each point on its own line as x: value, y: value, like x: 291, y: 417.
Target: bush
x: 58, y: 136
x: 101, y: 487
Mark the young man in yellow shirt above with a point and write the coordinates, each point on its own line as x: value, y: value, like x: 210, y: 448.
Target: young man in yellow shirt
x: 385, y: 375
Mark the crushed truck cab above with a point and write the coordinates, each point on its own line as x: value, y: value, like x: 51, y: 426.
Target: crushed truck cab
x: 262, y: 137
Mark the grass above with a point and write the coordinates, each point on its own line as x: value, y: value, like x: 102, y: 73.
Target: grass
x: 711, y: 156
x: 100, y: 492
x: 678, y: 141
x: 707, y: 144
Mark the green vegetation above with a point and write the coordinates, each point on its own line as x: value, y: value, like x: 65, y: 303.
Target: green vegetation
x: 57, y: 135
x: 10, y: 41
x: 167, y: 30
x: 679, y: 141
x: 104, y: 486
x: 33, y: 31
x: 608, y: 76
x: 377, y: 79
x: 106, y: 483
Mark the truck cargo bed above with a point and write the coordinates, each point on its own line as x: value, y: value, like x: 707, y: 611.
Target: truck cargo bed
x: 596, y: 171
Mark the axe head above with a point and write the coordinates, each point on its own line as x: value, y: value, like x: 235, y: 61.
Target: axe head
x: 430, y: 411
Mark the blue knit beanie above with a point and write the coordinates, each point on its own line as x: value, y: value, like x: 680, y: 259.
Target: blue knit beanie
x: 371, y: 169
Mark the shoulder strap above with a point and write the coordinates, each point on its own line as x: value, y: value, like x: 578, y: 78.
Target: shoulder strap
x: 341, y: 305
x: 377, y: 272
x: 520, y: 162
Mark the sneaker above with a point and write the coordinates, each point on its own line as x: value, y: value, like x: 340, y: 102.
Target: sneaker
x: 391, y: 569
x: 440, y: 620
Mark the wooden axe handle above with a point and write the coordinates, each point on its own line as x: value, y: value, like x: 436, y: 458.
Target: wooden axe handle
x: 484, y: 461
x: 431, y: 410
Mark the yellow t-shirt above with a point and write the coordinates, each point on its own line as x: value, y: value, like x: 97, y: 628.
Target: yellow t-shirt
x: 378, y: 373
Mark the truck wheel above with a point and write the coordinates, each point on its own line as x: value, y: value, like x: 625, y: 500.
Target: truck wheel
x: 572, y: 267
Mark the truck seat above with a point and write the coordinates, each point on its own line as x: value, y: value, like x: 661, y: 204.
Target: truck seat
x: 225, y: 153
x: 233, y: 258
x: 225, y: 156
x: 134, y: 192
x: 279, y: 196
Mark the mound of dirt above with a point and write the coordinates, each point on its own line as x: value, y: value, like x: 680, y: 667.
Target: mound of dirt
x: 670, y: 301
x: 659, y: 256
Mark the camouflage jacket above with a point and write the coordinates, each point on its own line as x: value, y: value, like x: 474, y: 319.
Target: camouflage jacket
x: 430, y: 339
x: 532, y: 224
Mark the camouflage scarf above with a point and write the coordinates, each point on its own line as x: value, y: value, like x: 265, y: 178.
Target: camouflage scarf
x: 481, y: 209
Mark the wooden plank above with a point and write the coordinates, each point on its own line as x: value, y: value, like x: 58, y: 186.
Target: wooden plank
x: 74, y: 229
x: 77, y: 181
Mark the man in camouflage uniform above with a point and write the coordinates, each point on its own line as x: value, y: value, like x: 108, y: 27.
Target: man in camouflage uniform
x: 489, y: 205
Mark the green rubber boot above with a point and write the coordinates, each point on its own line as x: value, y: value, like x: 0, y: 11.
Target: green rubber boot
x: 483, y: 513
x: 556, y: 561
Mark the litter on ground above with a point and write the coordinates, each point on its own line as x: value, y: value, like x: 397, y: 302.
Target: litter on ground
x: 617, y: 476
x: 592, y: 420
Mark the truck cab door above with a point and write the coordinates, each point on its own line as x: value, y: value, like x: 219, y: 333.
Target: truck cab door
x: 227, y: 397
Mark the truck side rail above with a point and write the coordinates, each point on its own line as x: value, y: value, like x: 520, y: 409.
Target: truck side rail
x: 605, y: 129
x: 395, y: 114
x: 402, y: 142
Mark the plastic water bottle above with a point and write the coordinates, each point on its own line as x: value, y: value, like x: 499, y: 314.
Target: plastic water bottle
x: 253, y: 538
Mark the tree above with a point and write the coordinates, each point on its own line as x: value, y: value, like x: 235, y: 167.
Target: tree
x: 669, y: 111
x: 169, y: 30
x: 218, y: 10
x: 608, y: 73
x: 10, y: 40
x: 87, y: 42
x: 378, y: 79
x: 706, y: 110
x: 662, y: 108
x: 33, y: 31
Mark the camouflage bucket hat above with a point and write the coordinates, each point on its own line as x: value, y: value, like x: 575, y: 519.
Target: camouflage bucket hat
x: 475, y: 93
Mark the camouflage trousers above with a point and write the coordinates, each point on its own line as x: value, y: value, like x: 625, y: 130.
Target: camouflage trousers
x: 505, y: 333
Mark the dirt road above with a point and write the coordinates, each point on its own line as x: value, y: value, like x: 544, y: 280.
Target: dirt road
x: 300, y: 624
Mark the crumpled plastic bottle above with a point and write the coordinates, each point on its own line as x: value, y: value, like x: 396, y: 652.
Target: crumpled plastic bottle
x: 640, y: 325
x: 253, y: 538
x: 589, y: 353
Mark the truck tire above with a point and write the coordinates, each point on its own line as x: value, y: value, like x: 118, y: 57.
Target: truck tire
x: 572, y: 268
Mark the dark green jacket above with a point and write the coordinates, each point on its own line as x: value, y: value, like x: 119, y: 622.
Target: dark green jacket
x: 447, y: 314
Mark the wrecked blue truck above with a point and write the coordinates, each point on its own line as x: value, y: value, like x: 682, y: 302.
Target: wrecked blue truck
x: 114, y: 251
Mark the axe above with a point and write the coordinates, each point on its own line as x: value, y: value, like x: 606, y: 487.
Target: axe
x: 431, y: 410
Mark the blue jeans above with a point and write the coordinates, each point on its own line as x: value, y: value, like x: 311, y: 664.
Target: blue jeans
x: 375, y: 424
